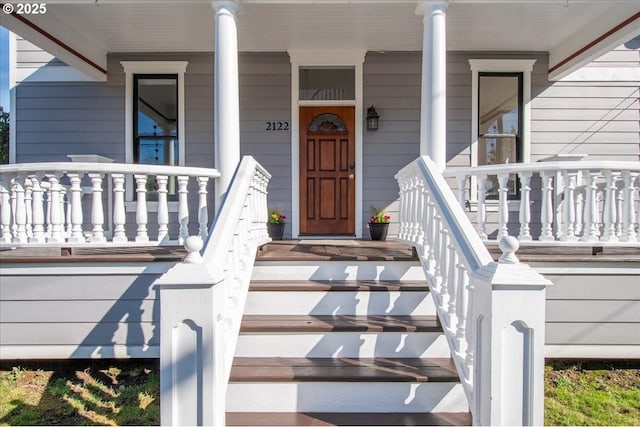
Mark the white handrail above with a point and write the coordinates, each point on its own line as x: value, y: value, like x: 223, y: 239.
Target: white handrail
x: 492, y: 313
x: 562, y: 202
x: 47, y: 203
x: 203, y: 301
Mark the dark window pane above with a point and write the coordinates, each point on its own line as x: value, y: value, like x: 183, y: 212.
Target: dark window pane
x: 322, y: 83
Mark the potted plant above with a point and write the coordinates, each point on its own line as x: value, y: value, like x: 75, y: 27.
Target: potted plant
x: 379, y: 224
x: 275, y: 225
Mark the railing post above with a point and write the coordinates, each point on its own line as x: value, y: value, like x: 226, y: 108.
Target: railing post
x: 20, y: 211
x: 546, y: 212
x: 503, y: 207
x: 590, y: 228
x: 55, y: 211
x: 203, y: 214
x: 97, y: 213
x: 141, y: 208
x: 510, y: 329
x: 609, y: 214
x: 525, y: 206
x: 482, y: 206
x: 183, y: 208
x: 569, y: 206
x: 37, y: 211
x: 5, y: 214
x: 76, y: 208
x: 163, y: 208
x: 628, y: 211
x: 119, y: 216
x: 192, y: 379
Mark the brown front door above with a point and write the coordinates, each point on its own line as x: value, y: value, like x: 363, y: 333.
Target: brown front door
x: 327, y: 170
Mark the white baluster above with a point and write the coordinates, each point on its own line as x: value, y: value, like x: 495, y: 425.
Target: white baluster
x: 590, y: 228
x: 569, y: 207
x: 609, y: 214
x: 546, y: 211
x: 119, y: 215
x: 203, y: 214
x: 462, y: 190
x: 183, y: 208
x: 163, y: 209
x: 56, y: 200
x: 20, y: 212
x: 628, y: 212
x: 37, y: 203
x: 141, y: 208
x: 619, y: 203
x: 402, y: 208
x: 452, y: 280
x: 28, y: 206
x: 503, y: 209
x: 13, y: 210
x: 420, y: 213
x: 444, y: 272
x: 432, y: 235
x: 97, y: 209
x: 5, y: 214
x: 482, y: 206
x: 437, y: 264
x: 65, y: 210
x: 76, y: 208
x: 413, y: 209
x: 462, y: 306
x: 525, y: 206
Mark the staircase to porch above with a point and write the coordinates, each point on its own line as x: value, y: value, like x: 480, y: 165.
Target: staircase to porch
x: 342, y: 334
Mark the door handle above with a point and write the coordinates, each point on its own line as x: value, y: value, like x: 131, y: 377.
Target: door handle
x: 352, y: 165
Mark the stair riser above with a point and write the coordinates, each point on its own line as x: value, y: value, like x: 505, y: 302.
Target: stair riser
x: 335, y: 303
x: 338, y: 270
x: 343, y: 344
x: 346, y: 397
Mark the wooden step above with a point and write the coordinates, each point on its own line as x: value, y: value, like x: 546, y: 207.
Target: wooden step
x: 339, y: 285
x: 339, y: 323
x: 286, y: 369
x: 346, y: 419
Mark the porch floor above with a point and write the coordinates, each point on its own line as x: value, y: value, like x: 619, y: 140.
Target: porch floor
x: 307, y: 250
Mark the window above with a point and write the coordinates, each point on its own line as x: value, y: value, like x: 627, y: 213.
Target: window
x: 501, y: 93
x: 499, y: 123
x: 155, y: 119
x: 327, y: 83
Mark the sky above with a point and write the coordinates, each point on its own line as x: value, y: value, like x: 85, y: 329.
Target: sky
x: 4, y: 69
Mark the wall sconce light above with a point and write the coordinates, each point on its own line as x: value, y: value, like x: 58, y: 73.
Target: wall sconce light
x: 372, y: 118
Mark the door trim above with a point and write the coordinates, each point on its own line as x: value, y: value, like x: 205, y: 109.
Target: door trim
x: 354, y: 58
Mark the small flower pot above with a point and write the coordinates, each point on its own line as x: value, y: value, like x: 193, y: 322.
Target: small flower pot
x: 276, y: 231
x: 378, y: 230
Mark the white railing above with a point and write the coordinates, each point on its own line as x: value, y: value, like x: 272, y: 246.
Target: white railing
x: 492, y: 313
x: 581, y: 203
x: 87, y: 203
x: 202, y: 303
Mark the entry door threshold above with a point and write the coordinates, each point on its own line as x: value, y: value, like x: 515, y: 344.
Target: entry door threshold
x: 327, y: 237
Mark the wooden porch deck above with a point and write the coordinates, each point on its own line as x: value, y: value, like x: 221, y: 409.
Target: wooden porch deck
x: 307, y: 250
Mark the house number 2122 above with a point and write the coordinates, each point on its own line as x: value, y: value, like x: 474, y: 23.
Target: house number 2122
x: 276, y: 126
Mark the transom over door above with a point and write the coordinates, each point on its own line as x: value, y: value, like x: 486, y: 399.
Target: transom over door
x: 327, y: 170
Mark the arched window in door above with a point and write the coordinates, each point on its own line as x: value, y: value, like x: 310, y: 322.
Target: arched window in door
x: 327, y: 123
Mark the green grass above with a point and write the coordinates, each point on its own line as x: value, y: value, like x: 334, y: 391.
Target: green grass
x: 109, y: 392
x: 80, y: 393
x: 592, y: 393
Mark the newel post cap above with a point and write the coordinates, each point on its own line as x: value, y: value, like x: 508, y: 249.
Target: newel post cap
x: 193, y: 245
x: 509, y: 245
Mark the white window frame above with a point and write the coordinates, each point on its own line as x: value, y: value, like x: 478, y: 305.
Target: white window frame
x: 151, y: 67
x: 325, y: 58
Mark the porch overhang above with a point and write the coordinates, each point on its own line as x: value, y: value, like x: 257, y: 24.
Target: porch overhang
x: 82, y: 32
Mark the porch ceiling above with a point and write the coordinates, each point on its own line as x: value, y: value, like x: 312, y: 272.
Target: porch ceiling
x: 560, y: 27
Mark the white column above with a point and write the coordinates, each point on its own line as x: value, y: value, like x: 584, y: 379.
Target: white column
x: 226, y: 95
x: 433, y: 115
